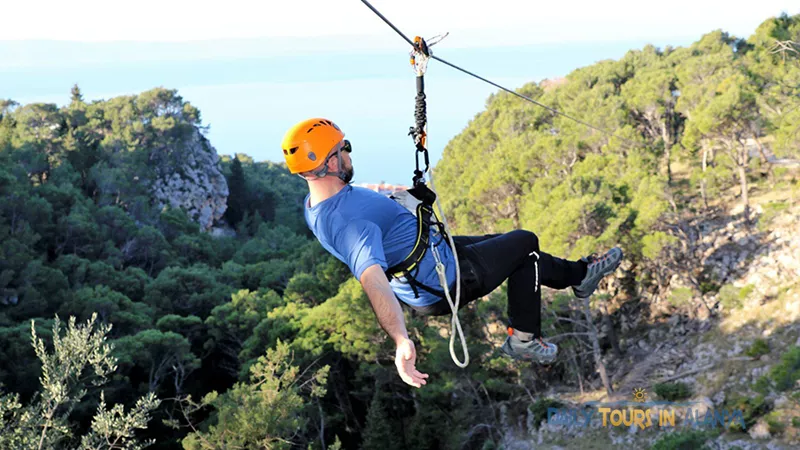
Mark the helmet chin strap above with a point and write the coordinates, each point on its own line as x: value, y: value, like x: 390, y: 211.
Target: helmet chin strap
x: 323, y: 172
x: 342, y: 175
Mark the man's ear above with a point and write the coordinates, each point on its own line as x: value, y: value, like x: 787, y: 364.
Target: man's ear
x: 333, y: 164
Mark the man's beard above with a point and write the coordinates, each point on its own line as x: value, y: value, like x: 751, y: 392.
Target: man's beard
x: 347, y: 175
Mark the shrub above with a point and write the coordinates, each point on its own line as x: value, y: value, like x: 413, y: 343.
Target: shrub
x: 680, y: 296
x: 786, y: 374
x: 684, y: 440
x: 758, y: 348
x: 771, y: 210
x: 752, y: 409
x: 729, y: 297
x: 539, y: 409
x: 775, y: 424
x: 708, y: 286
x: 81, y: 357
x: 746, y: 291
x: 762, y: 385
x: 673, y: 391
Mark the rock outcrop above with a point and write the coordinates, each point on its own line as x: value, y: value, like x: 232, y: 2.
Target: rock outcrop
x: 193, y: 182
x: 764, y: 259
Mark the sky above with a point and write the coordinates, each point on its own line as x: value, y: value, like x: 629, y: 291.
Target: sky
x: 254, y: 68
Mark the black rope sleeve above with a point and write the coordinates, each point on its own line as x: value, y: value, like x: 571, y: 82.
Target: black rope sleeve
x: 420, y: 113
x: 418, y: 131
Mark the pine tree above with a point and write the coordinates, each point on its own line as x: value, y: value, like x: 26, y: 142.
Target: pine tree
x: 378, y: 433
x: 237, y: 197
x: 76, y: 95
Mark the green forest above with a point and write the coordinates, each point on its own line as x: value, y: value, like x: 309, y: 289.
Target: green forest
x: 125, y: 323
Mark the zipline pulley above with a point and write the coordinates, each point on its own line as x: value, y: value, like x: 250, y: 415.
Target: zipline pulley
x: 420, y: 55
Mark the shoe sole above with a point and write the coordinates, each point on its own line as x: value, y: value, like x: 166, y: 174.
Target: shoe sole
x: 536, y: 359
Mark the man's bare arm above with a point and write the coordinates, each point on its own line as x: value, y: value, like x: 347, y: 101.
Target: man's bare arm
x: 390, y: 316
x: 384, y: 303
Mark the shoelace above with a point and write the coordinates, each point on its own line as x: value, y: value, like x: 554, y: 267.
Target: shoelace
x: 543, y: 343
x: 594, y: 259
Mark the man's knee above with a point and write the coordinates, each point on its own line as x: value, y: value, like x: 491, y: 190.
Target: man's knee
x: 528, y: 239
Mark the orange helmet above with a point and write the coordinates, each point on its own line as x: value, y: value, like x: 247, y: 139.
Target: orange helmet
x: 307, y: 144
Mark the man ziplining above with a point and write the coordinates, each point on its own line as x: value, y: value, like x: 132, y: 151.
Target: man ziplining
x: 374, y: 235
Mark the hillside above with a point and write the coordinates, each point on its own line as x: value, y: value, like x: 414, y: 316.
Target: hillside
x: 250, y: 334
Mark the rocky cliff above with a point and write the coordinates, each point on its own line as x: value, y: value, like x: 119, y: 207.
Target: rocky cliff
x: 192, y: 180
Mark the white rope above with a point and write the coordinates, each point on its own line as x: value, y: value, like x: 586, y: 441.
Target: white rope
x: 455, y: 324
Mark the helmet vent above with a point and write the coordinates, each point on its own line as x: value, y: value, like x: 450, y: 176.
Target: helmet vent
x: 323, y: 123
x: 292, y: 150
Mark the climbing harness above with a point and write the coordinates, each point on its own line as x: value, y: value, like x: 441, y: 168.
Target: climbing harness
x: 420, y: 200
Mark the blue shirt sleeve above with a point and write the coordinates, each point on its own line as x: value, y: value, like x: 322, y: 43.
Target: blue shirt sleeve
x: 360, y: 242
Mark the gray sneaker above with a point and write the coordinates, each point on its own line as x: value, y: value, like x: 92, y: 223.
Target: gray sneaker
x: 535, y: 350
x: 597, y: 268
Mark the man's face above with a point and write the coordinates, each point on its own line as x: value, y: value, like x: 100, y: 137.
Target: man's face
x: 344, y: 149
x: 347, y: 166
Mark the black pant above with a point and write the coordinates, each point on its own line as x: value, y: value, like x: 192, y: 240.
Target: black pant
x: 486, y: 261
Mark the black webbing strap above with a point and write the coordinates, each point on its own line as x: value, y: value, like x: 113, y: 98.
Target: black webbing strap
x: 425, y: 220
x: 424, y: 213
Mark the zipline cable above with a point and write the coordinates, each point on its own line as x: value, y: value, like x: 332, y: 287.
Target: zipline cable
x: 389, y: 23
x: 553, y: 110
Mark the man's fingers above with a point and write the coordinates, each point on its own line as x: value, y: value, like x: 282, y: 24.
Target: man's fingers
x: 416, y: 381
x: 412, y: 381
x: 410, y: 369
x: 419, y: 374
x: 411, y: 376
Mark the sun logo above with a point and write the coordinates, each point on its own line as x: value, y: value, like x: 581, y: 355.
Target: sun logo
x: 639, y: 394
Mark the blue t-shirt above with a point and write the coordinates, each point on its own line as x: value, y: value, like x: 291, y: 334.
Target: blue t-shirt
x: 361, y: 227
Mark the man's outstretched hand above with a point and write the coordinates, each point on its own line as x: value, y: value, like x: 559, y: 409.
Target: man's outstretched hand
x: 405, y: 360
